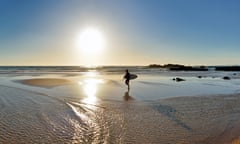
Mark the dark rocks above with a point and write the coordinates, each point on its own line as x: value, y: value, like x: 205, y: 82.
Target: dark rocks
x: 177, y: 79
x: 155, y: 66
x: 226, y: 78
x: 178, y: 67
x: 199, y: 76
x: 188, y: 68
x: 227, y: 68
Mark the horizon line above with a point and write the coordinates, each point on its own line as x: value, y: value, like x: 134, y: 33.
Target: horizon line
x: 94, y: 66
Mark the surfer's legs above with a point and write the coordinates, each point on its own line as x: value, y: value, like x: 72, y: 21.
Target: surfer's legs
x: 127, y: 83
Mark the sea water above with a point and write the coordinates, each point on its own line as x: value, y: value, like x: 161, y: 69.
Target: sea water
x: 151, y: 84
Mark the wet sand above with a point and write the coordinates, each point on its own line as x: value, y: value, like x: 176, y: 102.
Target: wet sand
x: 45, y: 82
x: 185, y: 120
x: 104, y: 112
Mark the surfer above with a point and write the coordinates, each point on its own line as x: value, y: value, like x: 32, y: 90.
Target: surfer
x: 127, y: 78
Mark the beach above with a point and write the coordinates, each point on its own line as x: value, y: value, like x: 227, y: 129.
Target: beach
x: 94, y: 106
x: 119, y: 72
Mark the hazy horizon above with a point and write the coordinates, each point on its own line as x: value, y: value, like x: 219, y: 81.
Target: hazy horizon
x: 95, y: 66
x: 106, y: 32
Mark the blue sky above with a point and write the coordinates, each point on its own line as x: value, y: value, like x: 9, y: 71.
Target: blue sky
x: 138, y: 32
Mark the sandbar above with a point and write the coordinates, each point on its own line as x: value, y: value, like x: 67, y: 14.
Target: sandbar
x: 45, y: 82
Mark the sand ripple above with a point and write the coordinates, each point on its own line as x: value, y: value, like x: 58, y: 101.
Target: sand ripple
x: 31, y: 117
x: 28, y: 117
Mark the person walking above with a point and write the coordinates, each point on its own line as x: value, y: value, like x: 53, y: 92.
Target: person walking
x: 127, y: 78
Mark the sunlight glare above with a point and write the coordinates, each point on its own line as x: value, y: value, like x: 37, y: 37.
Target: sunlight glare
x: 90, y: 87
x: 91, y: 41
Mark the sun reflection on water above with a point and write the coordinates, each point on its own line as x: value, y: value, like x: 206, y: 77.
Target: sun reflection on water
x: 90, y: 87
x: 92, y: 73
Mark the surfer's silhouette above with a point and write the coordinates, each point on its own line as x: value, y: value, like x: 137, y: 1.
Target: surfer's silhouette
x: 127, y: 79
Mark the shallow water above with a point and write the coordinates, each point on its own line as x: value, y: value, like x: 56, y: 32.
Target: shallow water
x: 97, y: 108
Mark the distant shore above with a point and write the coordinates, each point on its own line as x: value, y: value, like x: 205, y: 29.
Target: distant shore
x: 178, y: 67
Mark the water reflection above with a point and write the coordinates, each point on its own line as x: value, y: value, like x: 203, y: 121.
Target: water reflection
x: 127, y: 97
x: 92, y: 73
x: 90, y: 87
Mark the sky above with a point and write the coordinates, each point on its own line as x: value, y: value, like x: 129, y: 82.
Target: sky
x: 136, y: 32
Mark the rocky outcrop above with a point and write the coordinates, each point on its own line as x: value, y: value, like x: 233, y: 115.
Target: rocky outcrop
x: 177, y: 79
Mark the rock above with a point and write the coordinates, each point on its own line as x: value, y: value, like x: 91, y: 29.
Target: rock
x: 187, y: 68
x: 155, y: 66
x: 178, y: 79
x: 228, y: 68
x: 226, y: 78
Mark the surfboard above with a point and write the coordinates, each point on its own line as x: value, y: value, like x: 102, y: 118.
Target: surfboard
x: 133, y: 76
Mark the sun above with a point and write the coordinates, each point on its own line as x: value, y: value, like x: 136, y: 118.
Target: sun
x: 91, y: 41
